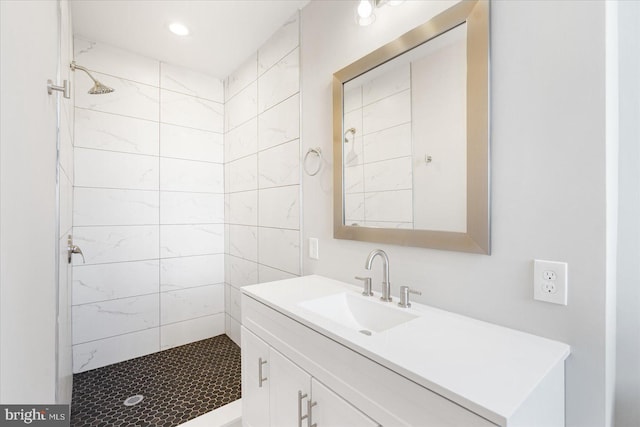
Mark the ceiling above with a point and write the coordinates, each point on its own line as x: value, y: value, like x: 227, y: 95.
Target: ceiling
x: 223, y: 33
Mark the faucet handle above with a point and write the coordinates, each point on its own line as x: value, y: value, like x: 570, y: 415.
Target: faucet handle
x: 404, y: 296
x: 367, y: 286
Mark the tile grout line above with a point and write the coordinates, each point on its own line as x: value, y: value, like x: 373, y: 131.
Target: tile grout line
x: 159, y: 206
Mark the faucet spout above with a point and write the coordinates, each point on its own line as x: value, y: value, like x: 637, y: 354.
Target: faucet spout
x: 386, y: 285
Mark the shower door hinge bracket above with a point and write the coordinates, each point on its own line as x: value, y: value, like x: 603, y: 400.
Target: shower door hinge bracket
x: 65, y: 88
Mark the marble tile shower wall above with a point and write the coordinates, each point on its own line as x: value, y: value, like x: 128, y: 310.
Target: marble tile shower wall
x: 262, y: 169
x: 148, y: 208
x: 378, y: 175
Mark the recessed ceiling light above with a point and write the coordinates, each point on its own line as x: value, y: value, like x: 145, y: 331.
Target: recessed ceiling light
x: 178, y: 29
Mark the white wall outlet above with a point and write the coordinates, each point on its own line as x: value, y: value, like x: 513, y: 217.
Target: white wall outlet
x: 550, y: 281
x: 313, y: 248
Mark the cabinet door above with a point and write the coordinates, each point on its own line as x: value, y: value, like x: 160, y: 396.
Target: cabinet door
x: 255, y: 380
x: 330, y: 410
x: 289, y: 392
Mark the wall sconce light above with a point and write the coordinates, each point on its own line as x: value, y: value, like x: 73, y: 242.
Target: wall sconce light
x: 365, y: 11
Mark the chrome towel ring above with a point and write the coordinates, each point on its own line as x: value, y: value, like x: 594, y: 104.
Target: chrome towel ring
x: 318, y: 153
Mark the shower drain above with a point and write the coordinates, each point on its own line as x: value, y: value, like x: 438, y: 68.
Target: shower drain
x: 133, y: 400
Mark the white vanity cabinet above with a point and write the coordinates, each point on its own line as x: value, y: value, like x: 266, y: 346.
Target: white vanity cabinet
x: 303, y: 365
x: 286, y: 395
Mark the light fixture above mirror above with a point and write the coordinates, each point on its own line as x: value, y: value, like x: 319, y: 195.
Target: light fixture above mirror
x: 365, y: 11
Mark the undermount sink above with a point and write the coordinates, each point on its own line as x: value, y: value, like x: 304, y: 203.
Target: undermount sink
x: 356, y: 312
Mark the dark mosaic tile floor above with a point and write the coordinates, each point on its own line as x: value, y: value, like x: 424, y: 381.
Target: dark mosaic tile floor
x: 178, y: 384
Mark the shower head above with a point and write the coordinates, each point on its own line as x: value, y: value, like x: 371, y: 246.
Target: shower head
x: 98, y: 88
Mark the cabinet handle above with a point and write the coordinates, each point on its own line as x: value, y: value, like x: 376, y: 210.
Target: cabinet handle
x: 260, y: 379
x: 300, y: 416
x: 310, y: 405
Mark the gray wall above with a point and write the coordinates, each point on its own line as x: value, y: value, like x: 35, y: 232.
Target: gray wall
x: 548, y: 176
x: 627, y: 411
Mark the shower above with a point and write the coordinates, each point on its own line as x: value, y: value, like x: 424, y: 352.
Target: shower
x: 98, y: 88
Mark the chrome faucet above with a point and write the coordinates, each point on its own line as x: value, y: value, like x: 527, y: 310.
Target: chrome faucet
x: 386, y: 286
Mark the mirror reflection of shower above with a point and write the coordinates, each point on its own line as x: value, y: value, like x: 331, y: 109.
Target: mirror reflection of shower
x: 98, y: 88
x: 352, y: 157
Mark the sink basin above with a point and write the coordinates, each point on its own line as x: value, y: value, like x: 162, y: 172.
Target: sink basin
x: 356, y: 312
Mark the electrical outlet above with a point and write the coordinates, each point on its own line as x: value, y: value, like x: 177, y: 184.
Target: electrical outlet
x: 550, y: 281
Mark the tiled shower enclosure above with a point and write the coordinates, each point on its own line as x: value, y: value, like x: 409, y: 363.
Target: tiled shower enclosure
x: 186, y: 188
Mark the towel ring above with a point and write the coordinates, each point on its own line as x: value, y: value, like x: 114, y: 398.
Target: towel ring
x: 318, y: 152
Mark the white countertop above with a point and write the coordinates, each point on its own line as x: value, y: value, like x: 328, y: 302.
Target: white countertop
x: 487, y: 368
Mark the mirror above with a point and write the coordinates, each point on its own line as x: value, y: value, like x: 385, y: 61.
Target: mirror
x: 411, y: 143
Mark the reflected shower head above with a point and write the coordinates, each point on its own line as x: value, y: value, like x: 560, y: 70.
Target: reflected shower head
x: 98, y: 88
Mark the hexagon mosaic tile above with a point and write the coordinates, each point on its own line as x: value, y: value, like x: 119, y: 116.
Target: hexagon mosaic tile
x: 178, y: 384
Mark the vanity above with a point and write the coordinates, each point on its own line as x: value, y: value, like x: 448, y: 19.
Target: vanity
x: 317, y: 352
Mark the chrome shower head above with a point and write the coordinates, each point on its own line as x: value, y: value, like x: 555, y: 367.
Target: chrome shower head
x: 98, y: 88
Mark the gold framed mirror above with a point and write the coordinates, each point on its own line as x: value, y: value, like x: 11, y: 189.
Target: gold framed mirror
x: 411, y: 137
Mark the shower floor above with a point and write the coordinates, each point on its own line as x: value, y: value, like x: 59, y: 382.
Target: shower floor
x: 178, y: 384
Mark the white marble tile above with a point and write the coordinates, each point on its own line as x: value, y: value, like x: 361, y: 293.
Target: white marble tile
x: 393, y: 81
x: 96, y: 354
x: 188, y: 240
x: 240, y: 272
x: 246, y: 74
x: 353, y: 179
x: 268, y: 274
x: 352, y: 99
x: 190, y: 82
x: 388, y: 144
x: 243, y: 174
x: 279, y: 82
x: 393, y: 206
x: 192, y: 330
x: 226, y: 238
x: 243, y: 208
x: 242, y: 141
x: 283, y: 41
x: 241, y: 107
x: 191, y: 208
x: 395, y: 174
x: 116, y: 317
x: 279, y: 165
x: 116, y: 243
x: 243, y: 242
x: 232, y: 329
x: 233, y: 301
x: 279, y: 249
x: 130, y: 98
x: 102, y: 206
x: 185, y: 304
x: 354, y: 208
x: 191, y: 176
x: 353, y: 151
x: 188, y: 272
x: 280, y: 123
x: 184, y: 110
x: 107, y: 169
x: 113, y: 132
x: 104, y: 58
x: 191, y: 144
x: 388, y: 112
x: 93, y: 283
x: 279, y: 207
x: 66, y: 205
